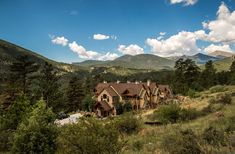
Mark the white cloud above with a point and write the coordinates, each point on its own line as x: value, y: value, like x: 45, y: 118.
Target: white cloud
x: 176, y: 45
x: 223, y: 28
x: 59, y: 40
x: 185, y: 2
x: 108, y: 56
x: 162, y: 33
x: 213, y: 47
x: 100, y: 37
x: 82, y: 52
x: 132, y: 49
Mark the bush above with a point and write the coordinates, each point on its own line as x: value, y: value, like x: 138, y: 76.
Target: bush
x: 128, y: 124
x: 127, y: 107
x: 89, y: 136
x: 211, y: 108
x: 167, y: 114
x: 37, y: 133
x: 189, y: 114
x: 214, y: 137
x: 222, y: 98
x: 226, y: 99
x: 182, y: 142
x: 218, y: 88
x: 138, y: 145
x: 193, y: 94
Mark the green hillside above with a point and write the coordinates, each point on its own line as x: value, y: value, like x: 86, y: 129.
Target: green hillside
x: 222, y: 65
x: 9, y: 53
x: 142, y: 61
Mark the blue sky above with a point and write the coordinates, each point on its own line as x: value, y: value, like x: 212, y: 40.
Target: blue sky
x: 76, y: 30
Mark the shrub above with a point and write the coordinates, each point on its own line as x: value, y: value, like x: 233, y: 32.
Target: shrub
x: 213, y: 136
x: 182, y: 142
x: 119, y: 108
x: 193, y: 94
x: 211, y: 108
x: 138, y: 145
x: 225, y: 99
x: 218, y: 88
x: 128, y: 124
x: 167, y: 113
x: 189, y: 114
x: 89, y: 136
x: 127, y: 107
x: 37, y: 133
x: 222, y: 98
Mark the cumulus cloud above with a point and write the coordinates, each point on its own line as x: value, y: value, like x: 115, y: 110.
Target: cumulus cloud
x: 223, y: 28
x: 108, y: 56
x: 213, y: 47
x: 185, y: 2
x: 82, y: 52
x: 132, y: 49
x: 183, y: 43
x: 59, y: 40
x: 162, y: 33
x: 85, y: 54
x: 100, y: 37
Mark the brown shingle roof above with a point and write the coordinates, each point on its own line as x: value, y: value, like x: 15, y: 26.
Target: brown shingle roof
x: 104, y: 105
x: 120, y: 88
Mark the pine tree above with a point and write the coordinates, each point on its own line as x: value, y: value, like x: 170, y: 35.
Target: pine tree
x: 22, y: 73
x: 49, y: 86
x: 232, y: 73
x: 75, y: 94
x: 208, y: 76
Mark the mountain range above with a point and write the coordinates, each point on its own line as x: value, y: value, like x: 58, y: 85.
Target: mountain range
x: 9, y: 53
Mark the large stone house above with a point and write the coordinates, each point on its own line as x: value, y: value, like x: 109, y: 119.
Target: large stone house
x: 140, y: 95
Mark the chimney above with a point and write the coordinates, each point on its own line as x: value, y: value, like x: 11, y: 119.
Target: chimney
x: 104, y: 81
x: 128, y: 81
x: 148, y: 83
x: 136, y: 82
x: 118, y: 81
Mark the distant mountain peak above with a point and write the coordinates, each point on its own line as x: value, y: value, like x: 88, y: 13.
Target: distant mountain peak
x: 221, y: 54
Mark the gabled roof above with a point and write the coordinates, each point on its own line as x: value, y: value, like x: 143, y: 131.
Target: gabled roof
x: 133, y: 89
x: 104, y: 105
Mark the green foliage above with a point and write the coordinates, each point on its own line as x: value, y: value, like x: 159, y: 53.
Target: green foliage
x: 36, y: 133
x: 186, y: 76
x: 214, y: 137
x: 17, y: 112
x: 49, y: 87
x: 75, y: 94
x: 193, y: 94
x: 138, y: 145
x: 224, y: 98
x: 119, y: 108
x: 174, y: 113
x: 218, y: 88
x: 189, y: 114
x: 128, y: 123
x: 89, y: 136
x: 183, y: 142
x: 88, y: 103
x: 127, y: 107
x: 208, y: 77
x: 21, y: 73
x: 167, y: 113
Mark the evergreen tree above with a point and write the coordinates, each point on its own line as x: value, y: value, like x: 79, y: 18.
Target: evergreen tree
x: 36, y: 134
x: 186, y: 76
x: 49, y: 86
x: 22, y: 73
x: 75, y: 94
x: 88, y: 103
x: 232, y: 73
x: 208, y: 76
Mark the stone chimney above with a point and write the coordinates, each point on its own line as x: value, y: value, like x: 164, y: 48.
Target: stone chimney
x: 136, y: 82
x: 104, y: 81
x: 118, y: 81
x: 148, y: 83
x: 128, y: 81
